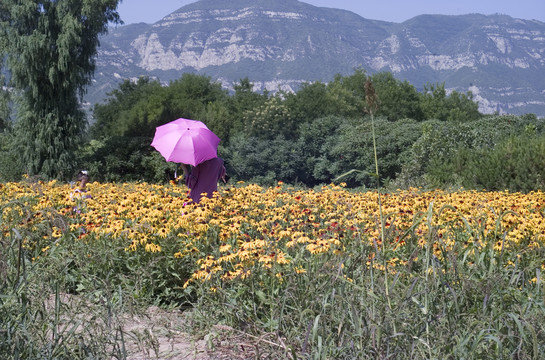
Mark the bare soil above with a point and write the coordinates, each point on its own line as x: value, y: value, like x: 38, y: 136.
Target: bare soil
x: 161, y: 334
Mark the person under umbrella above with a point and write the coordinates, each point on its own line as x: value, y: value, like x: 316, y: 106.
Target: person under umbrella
x: 203, y: 178
x: 187, y: 141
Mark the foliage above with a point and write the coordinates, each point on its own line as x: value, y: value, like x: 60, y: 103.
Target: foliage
x: 5, y: 96
x: 515, y: 165
x: 137, y: 108
x: 397, y: 99
x: 348, y: 93
x: 444, y: 143
x: 316, y: 142
x: 436, y: 104
x: 310, y: 136
x: 119, y: 158
x: 192, y: 93
x: 354, y: 150
x: 454, y: 274
x: 270, y: 120
x: 241, y: 102
x: 10, y: 168
x: 263, y: 161
x: 311, y: 102
x: 51, y: 48
x: 116, y: 117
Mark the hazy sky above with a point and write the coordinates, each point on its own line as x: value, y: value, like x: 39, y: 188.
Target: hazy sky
x: 150, y: 11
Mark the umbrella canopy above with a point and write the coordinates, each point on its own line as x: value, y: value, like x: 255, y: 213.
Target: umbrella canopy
x: 186, y: 141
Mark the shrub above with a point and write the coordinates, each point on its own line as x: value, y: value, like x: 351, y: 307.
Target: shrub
x: 10, y: 166
x: 516, y: 164
x: 122, y: 159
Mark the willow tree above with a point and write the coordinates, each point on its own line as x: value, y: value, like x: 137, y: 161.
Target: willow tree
x: 4, y: 93
x: 51, y: 47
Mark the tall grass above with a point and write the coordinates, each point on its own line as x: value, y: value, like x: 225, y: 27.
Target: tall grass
x: 470, y: 302
x: 446, y: 294
x: 39, y: 320
x: 63, y: 305
x: 454, y: 289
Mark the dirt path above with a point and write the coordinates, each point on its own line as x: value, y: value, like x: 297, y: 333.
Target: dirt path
x: 162, y: 335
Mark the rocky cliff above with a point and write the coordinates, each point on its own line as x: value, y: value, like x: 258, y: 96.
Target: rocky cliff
x: 278, y: 44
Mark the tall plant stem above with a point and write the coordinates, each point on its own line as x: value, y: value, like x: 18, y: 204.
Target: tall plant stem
x: 372, y: 104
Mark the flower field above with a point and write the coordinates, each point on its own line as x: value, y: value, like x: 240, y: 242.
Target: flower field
x: 265, y: 227
x: 456, y: 261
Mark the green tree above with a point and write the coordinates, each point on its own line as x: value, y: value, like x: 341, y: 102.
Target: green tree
x: 191, y: 93
x: 310, y: 102
x: 115, y: 117
x: 316, y: 142
x: 436, y: 104
x: 243, y: 100
x: 270, y: 120
x: 263, y: 161
x: 4, y: 105
x: 137, y: 108
x: 398, y: 99
x: 348, y: 94
x: 4, y: 93
x: 354, y: 149
x: 50, y: 47
x: 124, y: 158
x: 515, y: 164
x: 443, y: 146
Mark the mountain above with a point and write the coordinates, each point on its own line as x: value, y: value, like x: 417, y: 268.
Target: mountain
x: 279, y: 44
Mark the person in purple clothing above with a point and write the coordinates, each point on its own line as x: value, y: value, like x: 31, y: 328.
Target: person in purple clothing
x: 204, y: 178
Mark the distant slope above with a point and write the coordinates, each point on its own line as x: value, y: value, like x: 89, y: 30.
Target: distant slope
x: 278, y: 44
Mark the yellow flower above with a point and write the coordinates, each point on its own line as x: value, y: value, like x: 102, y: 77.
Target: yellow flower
x: 154, y: 248
x: 225, y: 248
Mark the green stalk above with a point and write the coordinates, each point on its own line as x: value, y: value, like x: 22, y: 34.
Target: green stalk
x: 372, y: 106
x: 429, y: 267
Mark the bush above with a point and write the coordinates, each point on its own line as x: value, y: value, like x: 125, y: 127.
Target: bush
x: 38, y: 318
x: 123, y: 159
x: 354, y: 150
x: 10, y: 166
x: 516, y: 164
x: 263, y: 161
x: 439, y: 158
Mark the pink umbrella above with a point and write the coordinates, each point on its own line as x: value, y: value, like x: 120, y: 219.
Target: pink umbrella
x: 186, y: 141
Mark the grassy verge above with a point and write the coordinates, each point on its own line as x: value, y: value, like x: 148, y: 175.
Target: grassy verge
x: 308, y: 274
x: 463, y: 301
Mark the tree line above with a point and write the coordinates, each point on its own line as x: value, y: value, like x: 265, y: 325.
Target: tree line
x: 318, y: 134
x: 310, y: 137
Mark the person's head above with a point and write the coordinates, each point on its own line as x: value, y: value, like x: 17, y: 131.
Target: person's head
x: 83, y: 178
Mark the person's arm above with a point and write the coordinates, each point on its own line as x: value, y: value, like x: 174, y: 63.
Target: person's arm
x: 223, y: 175
x: 191, y: 175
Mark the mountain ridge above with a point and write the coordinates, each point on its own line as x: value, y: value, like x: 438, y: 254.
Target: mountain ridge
x: 280, y: 44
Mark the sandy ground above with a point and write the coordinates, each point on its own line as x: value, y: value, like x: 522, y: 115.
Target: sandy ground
x: 159, y: 334
x: 162, y: 334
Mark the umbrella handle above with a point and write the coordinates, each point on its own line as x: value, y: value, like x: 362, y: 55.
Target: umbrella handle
x: 185, y: 169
